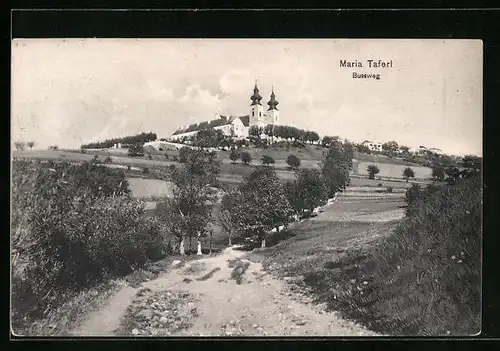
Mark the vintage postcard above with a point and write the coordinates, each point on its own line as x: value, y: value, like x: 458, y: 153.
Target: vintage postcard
x: 246, y: 187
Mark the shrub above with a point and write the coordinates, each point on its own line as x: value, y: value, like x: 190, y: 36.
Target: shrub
x: 408, y: 173
x: 150, y: 157
x: 108, y: 160
x: 372, y: 170
x: 311, y: 191
x: 390, y: 189
x: 336, y: 166
x: 145, y: 170
x: 293, y: 161
x: 184, y: 154
x: 246, y: 158
x: 67, y: 237
x: 438, y: 173
x: 135, y: 150
x: 267, y: 160
x: 233, y: 156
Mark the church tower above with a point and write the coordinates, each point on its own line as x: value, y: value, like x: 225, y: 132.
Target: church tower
x: 257, y: 114
x: 273, y: 112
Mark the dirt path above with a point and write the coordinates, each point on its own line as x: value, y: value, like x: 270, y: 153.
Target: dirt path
x: 260, y: 305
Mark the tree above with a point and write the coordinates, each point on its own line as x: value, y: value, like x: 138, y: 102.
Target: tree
x: 453, y: 174
x: 267, y: 160
x: 269, y: 130
x: 291, y: 193
x: 293, y: 161
x: 390, y: 146
x: 246, y: 158
x: 31, y: 144
x: 184, y: 153
x: 408, y: 173
x: 311, y: 190
x: 372, y: 170
x: 189, y: 212
x: 133, y: 139
x: 312, y: 136
x: 412, y: 197
x: 19, y: 145
x: 335, y: 168
x: 363, y: 149
x: 327, y: 141
x: 208, y: 138
x: 438, y: 173
x: 254, y: 132
x: 233, y: 156
x: 261, y: 204
x: 404, y: 149
x: 135, y: 150
x: 472, y: 162
x: 226, y: 215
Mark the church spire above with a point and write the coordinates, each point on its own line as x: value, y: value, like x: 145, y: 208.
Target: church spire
x: 256, y: 96
x: 273, y: 103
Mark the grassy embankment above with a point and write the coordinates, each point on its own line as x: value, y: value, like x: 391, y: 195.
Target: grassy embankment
x: 420, y: 276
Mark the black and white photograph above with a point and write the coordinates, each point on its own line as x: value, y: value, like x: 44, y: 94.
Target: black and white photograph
x: 246, y: 187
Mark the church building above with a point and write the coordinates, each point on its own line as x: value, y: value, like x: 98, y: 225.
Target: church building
x: 237, y: 127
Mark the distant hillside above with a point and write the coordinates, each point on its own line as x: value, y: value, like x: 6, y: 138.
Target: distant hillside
x: 309, y: 152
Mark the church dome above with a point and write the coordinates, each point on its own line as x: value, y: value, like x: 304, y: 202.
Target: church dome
x: 256, y: 97
x: 273, y: 103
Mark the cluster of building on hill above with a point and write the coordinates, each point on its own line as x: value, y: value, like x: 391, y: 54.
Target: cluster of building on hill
x: 237, y: 126
x: 377, y: 146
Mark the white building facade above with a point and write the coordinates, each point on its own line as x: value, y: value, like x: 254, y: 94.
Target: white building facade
x: 237, y: 127
x: 372, y: 145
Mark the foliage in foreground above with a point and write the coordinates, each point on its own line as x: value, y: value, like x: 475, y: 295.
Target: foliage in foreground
x: 260, y: 205
x: 336, y: 166
x: 424, y: 279
x: 72, y: 227
x: 188, y: 213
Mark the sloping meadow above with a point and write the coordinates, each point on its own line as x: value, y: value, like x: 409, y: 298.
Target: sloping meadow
x: 420, y: 276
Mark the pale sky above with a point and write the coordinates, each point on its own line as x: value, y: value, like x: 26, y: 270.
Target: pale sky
x: 68, y: 92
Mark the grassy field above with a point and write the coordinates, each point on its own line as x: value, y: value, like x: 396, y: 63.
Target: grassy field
x: 382, y: 159
x: 309, y: 152
x: 391, y: 170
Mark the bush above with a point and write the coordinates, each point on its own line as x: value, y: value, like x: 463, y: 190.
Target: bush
x: 108, y: 160
x: 438, y: 173
x: 233, y: 156
x: 267, y: 160
x: 390, y: 189
x: 184, y: 153
x: 424, y: 279
x: 67, y: 237
x: 293, y: 161
x: 135, y: 150
x: 408, y: 173
x: 246, y: 158
x: 372, y: 170
x: 145, y: 170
